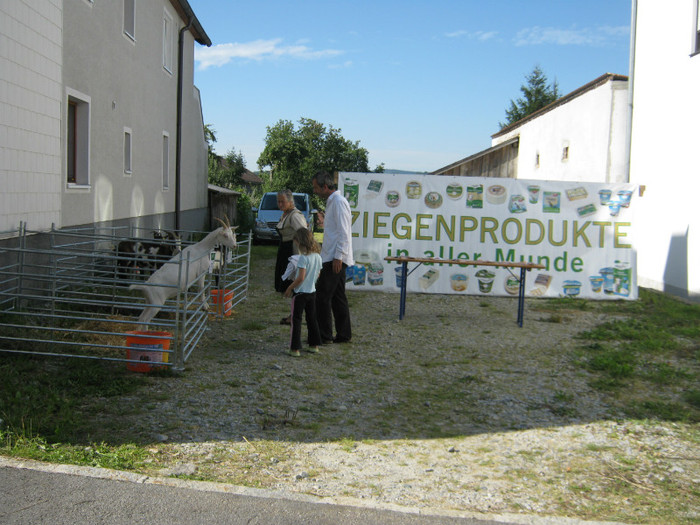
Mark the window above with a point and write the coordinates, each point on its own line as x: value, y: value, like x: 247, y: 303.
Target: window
x: 565, y: 154
x: 130, y: 19
x: 696, y: 36
x: 168, y: 42
x: 537, y: 160
x: 77, y: 139
x: 166, y: 161
x: 127, y: 151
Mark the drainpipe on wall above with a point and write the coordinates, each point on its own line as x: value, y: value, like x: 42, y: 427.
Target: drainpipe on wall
x: 630, y: 90
x: 178, y: 146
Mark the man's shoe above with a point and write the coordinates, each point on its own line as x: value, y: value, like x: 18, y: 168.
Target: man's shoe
x: 294, y: 353
x: 312, y: 349
x: 339, y: 340
x: 327, y: 341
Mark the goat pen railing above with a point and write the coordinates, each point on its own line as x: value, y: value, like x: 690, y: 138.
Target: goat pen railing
x: 69, y: 296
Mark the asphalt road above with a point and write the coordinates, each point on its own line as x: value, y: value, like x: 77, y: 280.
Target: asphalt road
x: 33, y: 493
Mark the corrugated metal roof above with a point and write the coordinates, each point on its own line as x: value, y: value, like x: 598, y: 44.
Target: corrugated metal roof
x: 223, y: 191
x: 475, y: 156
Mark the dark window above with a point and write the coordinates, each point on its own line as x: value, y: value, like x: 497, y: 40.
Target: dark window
x: 300, y: 202
x: 72, y: 142
x: 269, y: 202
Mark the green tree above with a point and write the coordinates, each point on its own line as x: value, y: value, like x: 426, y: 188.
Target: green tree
x: 292, y: 155
x: 537, y: 94
x: 224, y: 171
x: 227, y: 172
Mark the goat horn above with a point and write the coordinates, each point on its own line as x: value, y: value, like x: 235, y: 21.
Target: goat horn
x: 222, y: 222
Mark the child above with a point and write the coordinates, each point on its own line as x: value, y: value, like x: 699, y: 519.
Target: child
x: 303, y: 291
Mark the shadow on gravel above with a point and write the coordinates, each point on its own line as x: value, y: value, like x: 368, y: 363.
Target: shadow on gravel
x: 455, y: 366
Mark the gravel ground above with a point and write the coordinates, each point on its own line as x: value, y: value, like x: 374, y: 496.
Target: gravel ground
x: 455, y: 409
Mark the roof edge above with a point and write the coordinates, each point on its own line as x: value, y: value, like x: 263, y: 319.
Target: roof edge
x: 475, y: 156
x: 602, y: 79
x: 185, y: 10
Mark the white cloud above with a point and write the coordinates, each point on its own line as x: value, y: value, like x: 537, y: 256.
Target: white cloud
x: 473, y: 35
x: 344, y: 65
x: 221, y: 54
x: 564, y: 37
x: 457, y: 34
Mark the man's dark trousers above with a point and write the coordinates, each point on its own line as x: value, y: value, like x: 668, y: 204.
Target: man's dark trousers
x: 332, y: 303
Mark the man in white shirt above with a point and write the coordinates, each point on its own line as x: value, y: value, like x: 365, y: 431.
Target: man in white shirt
x: 336, y: 254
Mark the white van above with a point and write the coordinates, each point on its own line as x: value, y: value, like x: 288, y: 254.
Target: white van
x: 268, y: 215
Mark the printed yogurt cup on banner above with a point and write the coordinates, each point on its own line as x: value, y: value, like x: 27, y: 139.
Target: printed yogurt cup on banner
x: 596, y: 283
x: 458, y: 282
x: 485, y: 279
x: 375, y: 274
x: 571, y: 288
x: 398, y: 271
x: 624, y: 196
x: 512, y: 285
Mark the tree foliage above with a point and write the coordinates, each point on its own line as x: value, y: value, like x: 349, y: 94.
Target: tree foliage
x: 224, y: 171
x: 537, y: 93
x: 227, y: 172
x: 293, y: 154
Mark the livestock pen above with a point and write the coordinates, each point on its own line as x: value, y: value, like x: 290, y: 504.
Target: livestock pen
x: 68, y: 295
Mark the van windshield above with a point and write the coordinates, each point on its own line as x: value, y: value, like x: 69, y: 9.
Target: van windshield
x: 300, y: 202
x: 269, y: 202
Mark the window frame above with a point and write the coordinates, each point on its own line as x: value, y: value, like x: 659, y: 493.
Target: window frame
x: 166, y: 161
x: 695, y: 48
x: 168, y: 41
x: 128, y: 152
x: 77, y: 140
x: 130, y: 18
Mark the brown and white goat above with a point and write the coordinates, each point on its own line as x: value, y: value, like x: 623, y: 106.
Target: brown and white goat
x: 190, y: 264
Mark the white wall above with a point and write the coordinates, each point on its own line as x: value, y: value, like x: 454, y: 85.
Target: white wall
x: 664, y: 154
x: 131, y: 90
x: 592, y: 125
x: 30, y: 113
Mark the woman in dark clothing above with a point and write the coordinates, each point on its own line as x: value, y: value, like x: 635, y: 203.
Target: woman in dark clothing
x: 291, y: 220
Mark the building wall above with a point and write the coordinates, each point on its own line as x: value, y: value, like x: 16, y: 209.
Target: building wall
x: 591, y: 126
x: 30, y: 113
x: 129, y: 89
x: 664, y: 151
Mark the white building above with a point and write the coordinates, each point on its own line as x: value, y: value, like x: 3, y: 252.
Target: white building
x: 579, y: 137
x: 31, y: 95
x: 90, y: 114
x: 664, y: 155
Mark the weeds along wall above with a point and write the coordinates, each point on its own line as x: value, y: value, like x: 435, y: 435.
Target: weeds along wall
x: 66, y: 293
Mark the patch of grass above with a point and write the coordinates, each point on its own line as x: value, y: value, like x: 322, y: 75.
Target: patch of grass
x: 44, y: 397
x: 252, y: 326
x: 643, y: 360
x: 122, y: 457
x: 692, y: 397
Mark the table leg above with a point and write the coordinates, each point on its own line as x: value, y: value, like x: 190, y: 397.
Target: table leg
x: 404, y: 280
x: 521, y: 297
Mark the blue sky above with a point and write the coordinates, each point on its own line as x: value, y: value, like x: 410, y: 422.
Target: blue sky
x: 420, y: 84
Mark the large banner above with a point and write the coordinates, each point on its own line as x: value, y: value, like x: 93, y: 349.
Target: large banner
x: 580, y: 232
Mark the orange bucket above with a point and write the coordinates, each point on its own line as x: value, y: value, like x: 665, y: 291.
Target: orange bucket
x: 149, y: 348
x: 223, y: 299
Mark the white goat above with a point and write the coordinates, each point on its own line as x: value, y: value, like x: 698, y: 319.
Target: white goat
x: 163, y: 284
